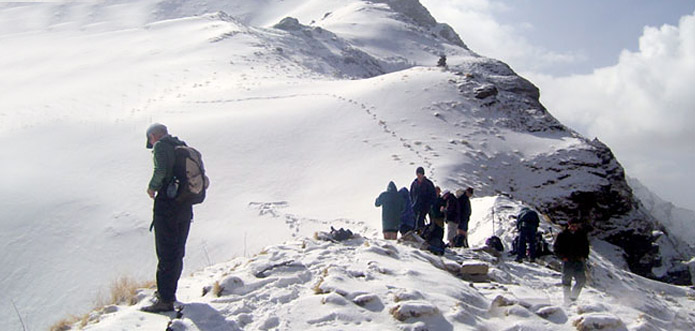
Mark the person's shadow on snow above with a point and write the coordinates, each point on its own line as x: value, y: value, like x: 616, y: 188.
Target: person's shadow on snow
x: 207, y: 318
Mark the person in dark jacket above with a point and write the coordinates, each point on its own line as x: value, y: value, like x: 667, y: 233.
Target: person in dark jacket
x: 451, y: 216
x: 423, y: 197
x: 527, y: 223
x: 464, y: 198
x: 171, y: 220
x: 391, y: 211
x: 572, y: 246
x: 437, y: 212
x: 407, y: 216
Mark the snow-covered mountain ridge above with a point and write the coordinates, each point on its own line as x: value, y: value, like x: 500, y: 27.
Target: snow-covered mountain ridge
x: 315, y: 112
x: 321, y: 284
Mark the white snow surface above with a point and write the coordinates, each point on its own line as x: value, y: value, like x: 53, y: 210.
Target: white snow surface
x: 301, y: 127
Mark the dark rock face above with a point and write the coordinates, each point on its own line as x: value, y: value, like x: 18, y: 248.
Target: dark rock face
x: 484, y: 91
x: 589, y: 181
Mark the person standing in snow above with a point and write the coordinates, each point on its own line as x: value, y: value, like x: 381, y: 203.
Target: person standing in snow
x: 464, y: 198
x: 451, y: 216
x: 527, y: 223
x: 437, y: 213
x: 391, y: 211
x: 572, y: 246
x: 407, y: 215
x: 171, y: 220
x: 423, y: 197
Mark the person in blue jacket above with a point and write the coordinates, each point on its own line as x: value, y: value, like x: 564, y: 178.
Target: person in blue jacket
x: 392, y: 208
x: 407, y: 216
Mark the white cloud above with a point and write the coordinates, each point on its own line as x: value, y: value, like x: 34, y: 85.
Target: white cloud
x: 643, y: 108
x: 475, y: 22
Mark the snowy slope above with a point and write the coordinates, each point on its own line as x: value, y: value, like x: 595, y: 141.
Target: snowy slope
x: 677, y: 220
x: 367, y: 283
x: 305, y: 119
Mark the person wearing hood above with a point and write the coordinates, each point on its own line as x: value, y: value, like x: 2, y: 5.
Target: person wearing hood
x: 391, y: 211
x: 408, y: 215
x: 171, y: 220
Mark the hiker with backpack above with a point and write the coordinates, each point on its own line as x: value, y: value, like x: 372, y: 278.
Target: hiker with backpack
x: 451, y: 216
x: 464, y: 199
x: 423, y: 197
x: 391, y: 211
x: 572, y: 246
x: 173, y: 210
x: 527, y: 223
x: 407, y: 215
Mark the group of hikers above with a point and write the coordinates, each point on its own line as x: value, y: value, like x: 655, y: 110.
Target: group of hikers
x: 178, y: 182
x: 404, y: 211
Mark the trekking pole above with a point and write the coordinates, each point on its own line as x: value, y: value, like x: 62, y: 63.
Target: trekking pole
x: 493, y: 220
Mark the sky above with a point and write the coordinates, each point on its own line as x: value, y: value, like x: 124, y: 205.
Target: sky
x: 620, y: 70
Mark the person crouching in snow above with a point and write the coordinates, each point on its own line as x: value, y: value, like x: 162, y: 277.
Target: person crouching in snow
x: 572, y: 246
x: 392, y: 207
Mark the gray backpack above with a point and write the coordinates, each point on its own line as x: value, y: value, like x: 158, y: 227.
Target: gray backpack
x: 189, y: 182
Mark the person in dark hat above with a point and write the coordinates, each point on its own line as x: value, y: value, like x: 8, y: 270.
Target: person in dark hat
x: 423, y: 196
x: 572, y: 246
x: 171, y: 220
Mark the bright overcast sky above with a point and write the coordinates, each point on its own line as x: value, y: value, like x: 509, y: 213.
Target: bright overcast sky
x: 619, y: 70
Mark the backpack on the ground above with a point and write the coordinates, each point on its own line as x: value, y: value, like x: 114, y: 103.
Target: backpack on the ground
x: 436, y: 246
x: 460, y: 240
x: 189, y: 182
x: 542, y: 246
x: 340, y: 235
x: 495, y: 242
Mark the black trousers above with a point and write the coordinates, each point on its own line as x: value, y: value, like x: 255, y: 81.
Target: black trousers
x: 171, y: 225
x: 420, y: 219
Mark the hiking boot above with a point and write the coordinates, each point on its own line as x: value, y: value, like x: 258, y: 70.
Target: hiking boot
x: 519, y: 260
x: 159, y: 307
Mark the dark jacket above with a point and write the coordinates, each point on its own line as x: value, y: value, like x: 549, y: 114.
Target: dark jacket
x: 163, y: 151
x: 422, y: 195
x: 407, y: 215
x: 465, y: 207
x: 572, y: 246
x: 436, y: 211
x: 453, y: 211
x: 527, y: 220
x: 392, y: 208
